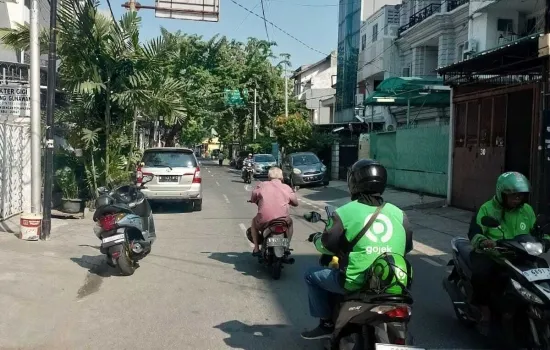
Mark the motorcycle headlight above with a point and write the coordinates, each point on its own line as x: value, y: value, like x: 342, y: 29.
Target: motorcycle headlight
x: 296, y: 171
x: 533, y: 248
x: 528, y: 295
x: 323, y: 168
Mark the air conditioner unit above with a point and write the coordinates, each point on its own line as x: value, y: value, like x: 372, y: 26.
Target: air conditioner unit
x: 389, y: 127
x: 359, y: 99
x: 470, y: 46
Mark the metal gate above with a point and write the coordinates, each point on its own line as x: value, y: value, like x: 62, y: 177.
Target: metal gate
x: 348, y: 153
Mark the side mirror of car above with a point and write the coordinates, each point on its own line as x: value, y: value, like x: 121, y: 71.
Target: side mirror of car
x: 490, y: 221
x: 312, y: 216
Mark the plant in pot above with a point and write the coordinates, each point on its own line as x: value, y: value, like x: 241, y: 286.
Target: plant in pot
x: 66, y: 180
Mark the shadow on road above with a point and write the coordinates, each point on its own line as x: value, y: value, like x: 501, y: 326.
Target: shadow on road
x: 329, y: 195
x: 254, y: 337
x: 242, y: 262
x: 96, y: 265
x: 171, y: 208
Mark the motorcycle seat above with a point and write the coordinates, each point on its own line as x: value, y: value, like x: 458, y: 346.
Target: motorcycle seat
x: 111, y: 209
x: 464, y: 248
x: 380, y: 298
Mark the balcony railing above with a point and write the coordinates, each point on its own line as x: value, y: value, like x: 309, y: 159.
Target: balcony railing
x: 420, y: 16
x: 452, y: 4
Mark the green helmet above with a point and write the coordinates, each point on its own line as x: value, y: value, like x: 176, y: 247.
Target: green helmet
x: 511, y: 182
x: 390, y: 273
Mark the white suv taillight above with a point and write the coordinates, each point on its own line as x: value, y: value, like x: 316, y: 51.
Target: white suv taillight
x: 197, y: 176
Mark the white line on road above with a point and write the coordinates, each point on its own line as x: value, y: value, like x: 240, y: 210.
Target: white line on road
x: 426, y: 250
x: 431, y: 262
x: 211, y: 174
x: 243, y: 228
x: 208, y: 170
x: 217, y: 183
x: 226, y: 199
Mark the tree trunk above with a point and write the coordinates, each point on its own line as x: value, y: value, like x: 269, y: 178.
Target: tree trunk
x: 133, y: 140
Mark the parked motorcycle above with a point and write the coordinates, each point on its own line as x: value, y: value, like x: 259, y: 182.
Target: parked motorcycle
x: 125, y: 226
x: 365, y: 320
x: 275, y: 246
x: 521, y: 312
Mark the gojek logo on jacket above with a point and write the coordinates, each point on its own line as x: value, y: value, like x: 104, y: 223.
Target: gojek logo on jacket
x: 379, y: 233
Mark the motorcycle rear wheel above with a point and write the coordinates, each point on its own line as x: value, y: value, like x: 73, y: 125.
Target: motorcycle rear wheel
x: 276, y: 269
x: 125, y: 265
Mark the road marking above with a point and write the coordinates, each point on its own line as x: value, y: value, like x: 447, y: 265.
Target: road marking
x: 217, y: 183
x: 243, y: 228
x: 208, y: 170
x: 431, y: 262
x: 211, y: 174
x: 226, y: 199
x: 426, y: 250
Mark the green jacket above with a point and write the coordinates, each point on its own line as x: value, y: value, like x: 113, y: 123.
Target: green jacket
x: 513, y: 223
x: 387, y: 234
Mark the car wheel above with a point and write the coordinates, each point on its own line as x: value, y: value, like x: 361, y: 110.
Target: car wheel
x: 197, y: 205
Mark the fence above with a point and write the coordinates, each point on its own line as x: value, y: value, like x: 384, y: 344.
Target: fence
x: 15, y: 166
x: 416, y: 158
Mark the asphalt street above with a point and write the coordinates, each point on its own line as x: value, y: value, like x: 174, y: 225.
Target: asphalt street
x: 200, y: 288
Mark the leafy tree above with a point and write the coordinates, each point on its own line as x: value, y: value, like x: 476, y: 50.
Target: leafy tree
x: 292, y: 132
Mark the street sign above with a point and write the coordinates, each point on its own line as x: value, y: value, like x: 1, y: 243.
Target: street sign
x: 15, y: 100
x: 233, y: 97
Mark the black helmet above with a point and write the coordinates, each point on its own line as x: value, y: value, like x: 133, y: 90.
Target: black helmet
x: 367, y: 176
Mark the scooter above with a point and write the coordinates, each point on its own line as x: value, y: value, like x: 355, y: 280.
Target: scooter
x: 520, y: 314
x: 248, y: 173
x: 125, y: 225
x: 365, y: 320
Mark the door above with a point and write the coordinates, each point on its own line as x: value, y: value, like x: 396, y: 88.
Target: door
x: 348, y: 154
x: 478, y: 155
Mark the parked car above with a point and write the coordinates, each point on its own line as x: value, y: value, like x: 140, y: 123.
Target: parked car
x: 176, y: 175
x: 304, y: 168
x: 262, y: 163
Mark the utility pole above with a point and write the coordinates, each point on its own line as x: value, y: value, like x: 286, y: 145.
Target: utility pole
x: 50, y: 100
x: 36, y: 133
x: 254, y: 124
x: 286, y: 94
x: 544, y: 156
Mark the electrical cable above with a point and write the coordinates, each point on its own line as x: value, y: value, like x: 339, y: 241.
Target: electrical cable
x: 265, y: 20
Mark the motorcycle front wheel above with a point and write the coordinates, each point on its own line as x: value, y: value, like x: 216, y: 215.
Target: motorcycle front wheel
x: 125, y: 264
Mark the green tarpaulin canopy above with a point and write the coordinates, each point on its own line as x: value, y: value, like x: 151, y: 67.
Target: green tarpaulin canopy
x: 402, y: 91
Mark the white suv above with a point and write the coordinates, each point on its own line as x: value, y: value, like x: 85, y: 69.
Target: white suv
x: 175, y: 175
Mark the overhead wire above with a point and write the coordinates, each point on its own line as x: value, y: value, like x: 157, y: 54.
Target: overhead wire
x: 265, y: 20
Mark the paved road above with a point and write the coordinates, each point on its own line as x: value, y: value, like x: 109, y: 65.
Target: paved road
x: 199, y: 288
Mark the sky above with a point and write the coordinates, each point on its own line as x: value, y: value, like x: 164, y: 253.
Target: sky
x: 314, y: 22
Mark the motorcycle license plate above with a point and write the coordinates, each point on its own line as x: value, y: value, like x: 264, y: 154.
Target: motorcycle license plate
x: 115, y: 238
x: 396, y: 347
x: 277, y: 242
x: 537, y: 274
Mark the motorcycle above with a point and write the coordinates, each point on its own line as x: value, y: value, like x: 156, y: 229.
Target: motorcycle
x: 365, y: 320
x: 522, y: 310
x: 125, y: 225
x: 247, y: 173
x: 275, y: 246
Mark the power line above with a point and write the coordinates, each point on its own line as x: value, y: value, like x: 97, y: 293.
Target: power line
x: 279, y: 28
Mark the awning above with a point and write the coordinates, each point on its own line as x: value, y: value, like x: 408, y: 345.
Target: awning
x: 413, y: 91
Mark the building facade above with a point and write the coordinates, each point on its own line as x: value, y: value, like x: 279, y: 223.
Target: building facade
x: 313, y: 85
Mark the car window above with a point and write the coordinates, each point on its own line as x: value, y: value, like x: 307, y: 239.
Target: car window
x: 162, y: 159
x: 264, y: 158
x: 304, y: 159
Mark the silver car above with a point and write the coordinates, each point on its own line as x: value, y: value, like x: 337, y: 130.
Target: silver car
x: 176, y: 175
x: 304, y: 168
x: 262, y: 164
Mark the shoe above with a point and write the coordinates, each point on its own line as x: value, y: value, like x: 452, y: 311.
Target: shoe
x: 324, y: 330
x: 257, y: 253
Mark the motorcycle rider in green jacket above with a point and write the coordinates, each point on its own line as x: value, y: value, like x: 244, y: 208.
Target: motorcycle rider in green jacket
x: 516, y: 217
x: 382, y: 247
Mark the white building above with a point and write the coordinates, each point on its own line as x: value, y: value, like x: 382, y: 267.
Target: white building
x: 496, y: 23
x: 17, y: 12
x: 313, y: 85
x: 377, y: 59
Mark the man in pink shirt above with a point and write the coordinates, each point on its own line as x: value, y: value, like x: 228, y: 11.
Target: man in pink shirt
x: 273, y: 198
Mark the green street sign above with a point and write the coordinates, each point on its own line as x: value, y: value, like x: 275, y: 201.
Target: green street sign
x: 233, y: 97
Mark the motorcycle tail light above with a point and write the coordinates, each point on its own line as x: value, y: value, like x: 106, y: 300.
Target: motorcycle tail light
x: 393, y: 311
x: 279, y: 229
x: 108, y: 222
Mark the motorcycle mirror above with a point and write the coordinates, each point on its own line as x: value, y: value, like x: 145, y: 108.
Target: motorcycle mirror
x: 102, y: 190
x: 490, y: 222
x: 312, y: 216
x: 248, y: 188
x: 146, y: 179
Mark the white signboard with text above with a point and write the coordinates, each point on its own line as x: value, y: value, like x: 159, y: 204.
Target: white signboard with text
x: 15, y: 100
